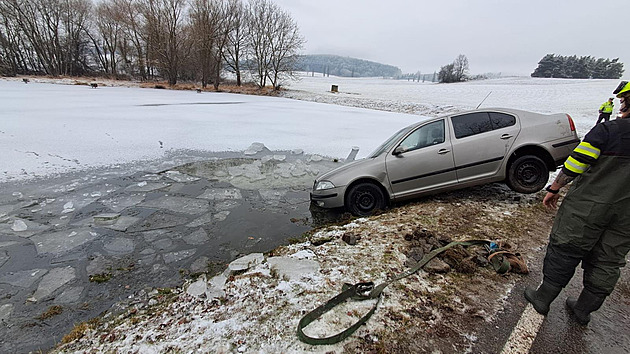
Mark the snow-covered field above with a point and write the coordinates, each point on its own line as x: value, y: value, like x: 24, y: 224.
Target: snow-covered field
x: 47, y: 129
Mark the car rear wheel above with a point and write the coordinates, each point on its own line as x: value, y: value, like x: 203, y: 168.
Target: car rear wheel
x: 527, y: 174
x: 364, y: 198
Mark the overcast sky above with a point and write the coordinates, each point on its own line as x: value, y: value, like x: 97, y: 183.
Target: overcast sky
x: 507, y: 36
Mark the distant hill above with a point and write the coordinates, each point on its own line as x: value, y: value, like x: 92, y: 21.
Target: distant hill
x: 345, y: 66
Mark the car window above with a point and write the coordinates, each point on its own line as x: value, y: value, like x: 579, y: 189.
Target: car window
x: 501, y: 120
x: 390, y: 142
x: 426, y: 135
x: 471, y: 124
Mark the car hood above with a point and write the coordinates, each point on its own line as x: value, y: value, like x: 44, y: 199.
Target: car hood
x: 336, y: 171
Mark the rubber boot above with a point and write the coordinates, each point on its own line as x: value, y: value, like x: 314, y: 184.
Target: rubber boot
x: 542, y: 297
x: 585, y: 304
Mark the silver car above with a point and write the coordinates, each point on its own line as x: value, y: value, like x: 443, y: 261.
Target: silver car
x: 452, y: 152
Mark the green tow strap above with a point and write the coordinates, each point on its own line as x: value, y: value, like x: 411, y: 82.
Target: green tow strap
x: 366, y: 291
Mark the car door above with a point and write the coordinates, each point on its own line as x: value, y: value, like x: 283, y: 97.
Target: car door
x: 425, y: 163
x: 481, y: 142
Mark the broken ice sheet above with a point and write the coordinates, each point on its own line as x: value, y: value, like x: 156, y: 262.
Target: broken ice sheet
x: 254, y: 149
x: 221, y: 194
x: 180, y: 177
x: 118, y: 204
x: 146, y: 187
x: 184, y: 205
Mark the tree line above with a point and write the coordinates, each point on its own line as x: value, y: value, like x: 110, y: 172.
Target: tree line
x: 574, y: 67
x: 344, y: 66
x: 191, y: 40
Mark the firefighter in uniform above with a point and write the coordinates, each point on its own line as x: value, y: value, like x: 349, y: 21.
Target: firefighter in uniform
x: 605, y: 110
x: 592, y: 225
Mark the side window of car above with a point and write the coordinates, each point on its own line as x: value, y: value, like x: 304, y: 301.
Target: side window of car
x: 426, y: 135
x: 501, y: 120
x: 471, y: 124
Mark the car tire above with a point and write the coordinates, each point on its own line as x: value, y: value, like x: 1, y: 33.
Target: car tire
x: 364, y: 199
x: 527, y: 174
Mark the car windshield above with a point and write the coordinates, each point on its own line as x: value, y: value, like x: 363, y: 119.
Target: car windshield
x: 390, y: 142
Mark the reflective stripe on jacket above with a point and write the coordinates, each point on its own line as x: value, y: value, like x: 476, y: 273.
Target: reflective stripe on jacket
x: 606, y: 107
x: 602, y: 163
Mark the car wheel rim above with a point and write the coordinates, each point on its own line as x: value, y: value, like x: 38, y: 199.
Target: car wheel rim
x: 528, y: 174
x: 366, y: 201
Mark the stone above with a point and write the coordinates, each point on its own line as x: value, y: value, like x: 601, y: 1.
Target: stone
x: 245, y: 262
x: 350, y: 238
x: 53, y: 280
x: 437, y: 265
x: 23, y: 278
x: 293, y: 269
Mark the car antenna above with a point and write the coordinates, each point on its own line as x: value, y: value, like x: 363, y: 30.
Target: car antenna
x: 484, y: 99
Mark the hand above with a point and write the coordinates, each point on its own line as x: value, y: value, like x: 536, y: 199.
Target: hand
x: 551, y: 200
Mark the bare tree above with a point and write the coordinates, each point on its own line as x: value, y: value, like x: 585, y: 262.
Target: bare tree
x: 236, y: 38
x: 53, y: 30
x: 109, y: 25
x: 285, y: 41
x: 274, y: 40
x: 460, y: 68
x: 166, y: 33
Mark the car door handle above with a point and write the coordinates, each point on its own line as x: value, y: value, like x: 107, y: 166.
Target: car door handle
x: 506, y: 136
x: 443, y: 151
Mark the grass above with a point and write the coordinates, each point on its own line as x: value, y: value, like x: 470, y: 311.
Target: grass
x: 52, y: 311
x: 100, y: 278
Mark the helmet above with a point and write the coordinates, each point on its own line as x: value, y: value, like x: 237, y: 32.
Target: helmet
x: 623, y: 89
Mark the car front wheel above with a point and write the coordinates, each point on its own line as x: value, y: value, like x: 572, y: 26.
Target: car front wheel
x: 364, y: 198
x: 527, y: 174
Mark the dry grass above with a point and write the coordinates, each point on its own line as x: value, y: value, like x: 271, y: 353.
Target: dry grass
x: 51, y: 312
x: 77, y: 332
x: 247, y: 89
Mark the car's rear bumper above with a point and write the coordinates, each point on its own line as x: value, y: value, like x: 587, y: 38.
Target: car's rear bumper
x: 329, y: 198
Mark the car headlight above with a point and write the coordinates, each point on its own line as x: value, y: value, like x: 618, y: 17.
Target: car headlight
x: 322, y: 185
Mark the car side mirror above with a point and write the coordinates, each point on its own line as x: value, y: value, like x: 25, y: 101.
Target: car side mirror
x: 399, y: 150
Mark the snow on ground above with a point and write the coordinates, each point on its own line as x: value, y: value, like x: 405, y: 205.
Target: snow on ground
x: 47, y: 129
x: 579, y: 98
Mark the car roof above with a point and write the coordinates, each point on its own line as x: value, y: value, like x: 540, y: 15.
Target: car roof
x: 516, y: 112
